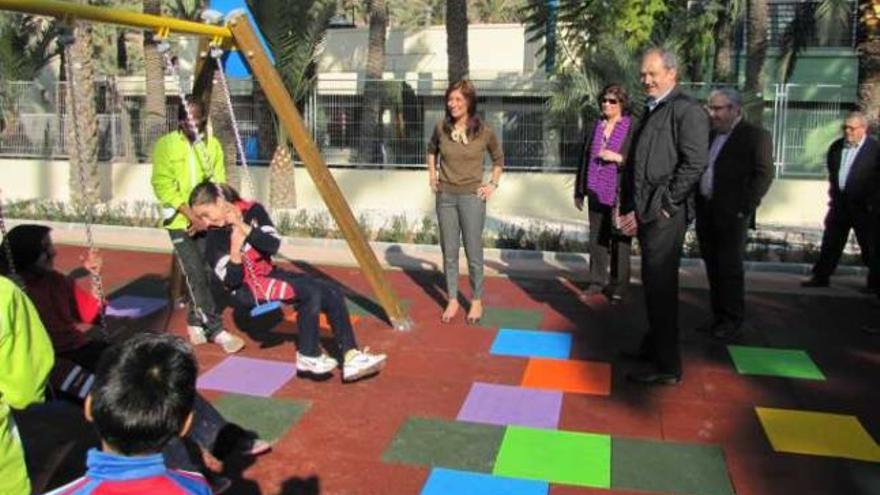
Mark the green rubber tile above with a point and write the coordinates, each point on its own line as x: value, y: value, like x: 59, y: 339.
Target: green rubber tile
x: 495, y: 317
x: 368, y: 307
x: 563, y: 457
x: 787, y: 363
x: 448, y: 444
x: 269, y: 417
x: 666, y: 467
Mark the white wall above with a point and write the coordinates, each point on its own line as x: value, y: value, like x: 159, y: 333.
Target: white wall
x: 539, y: 196
x: 493, y: 49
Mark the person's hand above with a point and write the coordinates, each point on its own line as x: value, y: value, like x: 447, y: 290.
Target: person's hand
x: 579, y: 203
x: 628, y: 224
x: 92, y: 262
x: 234, y: 216
x: 485, y: 191
x: 611, y: 156
x: 236, y: 241
x: 434, y: 183
x: 196, y: 225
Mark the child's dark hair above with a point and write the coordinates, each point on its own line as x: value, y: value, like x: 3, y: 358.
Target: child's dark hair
x: 209, y: 192
x: 143, y: 393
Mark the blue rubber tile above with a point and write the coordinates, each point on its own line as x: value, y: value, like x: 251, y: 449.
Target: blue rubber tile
x: 445, y: 481
x: 532, y: 343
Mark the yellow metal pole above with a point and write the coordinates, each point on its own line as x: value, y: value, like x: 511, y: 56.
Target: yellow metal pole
x: 129, y: 18
x: 249, y: 44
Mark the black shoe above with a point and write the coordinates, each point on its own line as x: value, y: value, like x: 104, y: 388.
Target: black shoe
x: 815, y: 282
x: 728, y: 332
x: 614, y: 295
x: 654, y: 378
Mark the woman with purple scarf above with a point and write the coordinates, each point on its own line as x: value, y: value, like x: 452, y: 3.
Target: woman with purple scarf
x: 598, y: 179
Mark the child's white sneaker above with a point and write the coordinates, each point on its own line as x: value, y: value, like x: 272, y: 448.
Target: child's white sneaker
x: 229, y: 342
x: 318, y: 365
x: 196, y: 335
x: 359, y: 364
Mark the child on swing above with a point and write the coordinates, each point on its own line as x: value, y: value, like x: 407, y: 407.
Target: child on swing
x: 240, y: 246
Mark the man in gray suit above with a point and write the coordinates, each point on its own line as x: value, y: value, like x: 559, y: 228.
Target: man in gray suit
x: 668, y: 154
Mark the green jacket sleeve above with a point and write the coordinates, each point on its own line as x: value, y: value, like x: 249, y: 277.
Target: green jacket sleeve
x: 26, y: 354
x: 219, y: 175
x: 164, y: 181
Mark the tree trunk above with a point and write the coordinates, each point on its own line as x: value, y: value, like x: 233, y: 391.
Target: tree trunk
x: 458, y: 65
x: 154, y: 77
x: 756, y: 53
x: 869, y: 68
x: 82, y: 120
x: 722, y: 69
x: 371, y: 128
x: 221, y: 126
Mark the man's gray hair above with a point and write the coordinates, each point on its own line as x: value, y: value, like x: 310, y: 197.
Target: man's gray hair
x: 670, y: 60
x: 857, y: 115
x: 733, y: 96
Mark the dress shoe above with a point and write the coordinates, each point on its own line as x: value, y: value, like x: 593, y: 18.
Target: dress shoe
x: 727, y: 331
x: 815, y: 282
x: 654, y: 378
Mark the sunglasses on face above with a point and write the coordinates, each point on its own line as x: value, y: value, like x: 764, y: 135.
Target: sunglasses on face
x: 610, y: 101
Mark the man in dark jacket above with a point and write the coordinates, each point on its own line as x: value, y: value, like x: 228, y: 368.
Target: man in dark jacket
x: 667, y: 157
x: 854, y: 194
x: 739, y: 174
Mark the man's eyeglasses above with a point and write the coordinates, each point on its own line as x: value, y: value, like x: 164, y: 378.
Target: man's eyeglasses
x: 850, y: 127
x: 717, y: 108
x: 610, y: 101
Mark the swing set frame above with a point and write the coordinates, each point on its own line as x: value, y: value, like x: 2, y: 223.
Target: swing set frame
x: 238, y: 33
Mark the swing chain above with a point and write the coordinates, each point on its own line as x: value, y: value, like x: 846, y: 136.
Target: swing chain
x: 10, y: 263
x: 216, y: 53
x: 97, y: 281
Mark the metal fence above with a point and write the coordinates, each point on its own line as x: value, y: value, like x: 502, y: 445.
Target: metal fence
x: 804, y: 120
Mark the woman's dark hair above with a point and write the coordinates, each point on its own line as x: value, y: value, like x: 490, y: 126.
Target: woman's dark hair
x: 209, y: 192
x: 619, y: 92
x: 26, y: 243
x: 143, y: 392
x: 474, y: 123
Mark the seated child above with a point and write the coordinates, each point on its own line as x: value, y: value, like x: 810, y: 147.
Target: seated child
x: 69, y: 311
x: 24, y: 368
x: 240, y: 246
x: 142, y: 398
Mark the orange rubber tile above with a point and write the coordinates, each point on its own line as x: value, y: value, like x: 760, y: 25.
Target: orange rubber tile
x: 323, y: 324
x: 579, y: 377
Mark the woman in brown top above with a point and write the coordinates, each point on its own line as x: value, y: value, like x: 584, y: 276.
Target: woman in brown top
x: 455, y: 173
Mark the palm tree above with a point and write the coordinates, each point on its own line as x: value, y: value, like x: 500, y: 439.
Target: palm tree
x: 81, y: 119
x: 154, y: 81
x: 724, y: 33
x: 458, y: 65
x: 756, y: 54
x: 295, y: 32
x: 869, y: 60
x: 371, y: 127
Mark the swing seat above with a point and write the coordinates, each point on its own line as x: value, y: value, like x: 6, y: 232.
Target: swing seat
x: 266, y: 307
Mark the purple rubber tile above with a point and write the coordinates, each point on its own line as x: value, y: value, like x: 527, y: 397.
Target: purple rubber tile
x: 510, y: 405
x: 247, y: 376
x: 134, y: 306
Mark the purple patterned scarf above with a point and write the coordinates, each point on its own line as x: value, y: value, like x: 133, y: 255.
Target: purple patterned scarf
x: 601, y: 175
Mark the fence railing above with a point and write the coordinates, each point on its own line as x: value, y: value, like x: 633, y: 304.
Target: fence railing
x: 804, y: 120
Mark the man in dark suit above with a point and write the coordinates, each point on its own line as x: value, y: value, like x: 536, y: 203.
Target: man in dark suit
x: 667, y: 157
x: 854, y: 196
x: 739, y: 174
